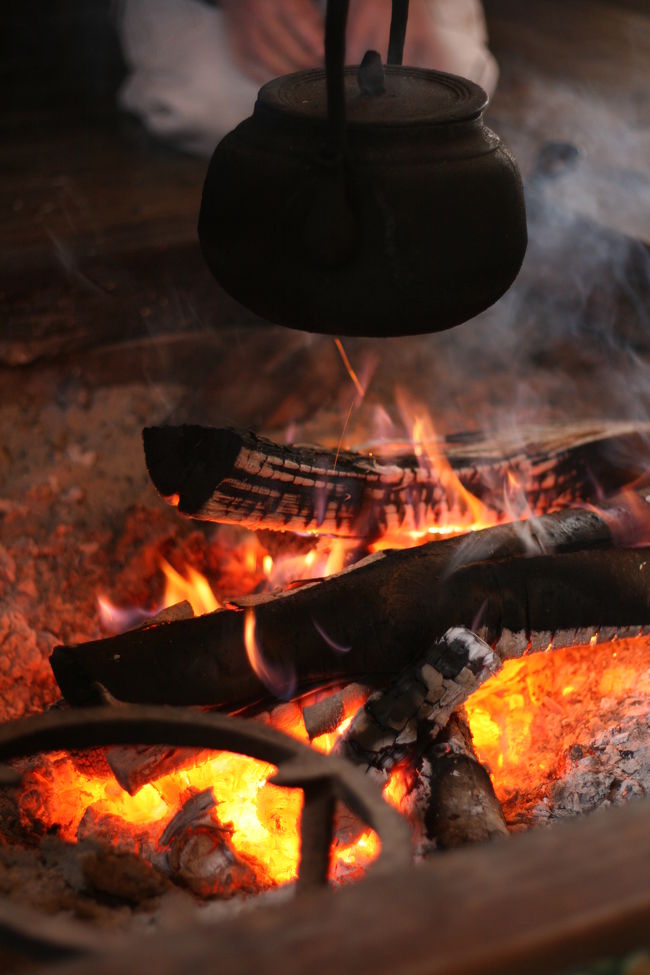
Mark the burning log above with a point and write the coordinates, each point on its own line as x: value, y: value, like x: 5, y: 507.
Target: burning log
x: 200, y: 854
x: 326, y: 715
x: 387, y: 726
x: 136, y: 765
x: 383, y: 730
x: 236, y: 477
x: 387, y: 609
x: 461, y: 806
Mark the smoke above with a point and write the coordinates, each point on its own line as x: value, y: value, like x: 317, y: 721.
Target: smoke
x: 571, y: 335
x: 569, y: 341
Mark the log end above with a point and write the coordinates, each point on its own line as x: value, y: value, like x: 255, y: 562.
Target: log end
x: 187, y: 463
x: 74, y: 683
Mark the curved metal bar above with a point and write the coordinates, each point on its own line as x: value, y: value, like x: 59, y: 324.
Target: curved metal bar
x: 398, y: 20
x: 298, y: 765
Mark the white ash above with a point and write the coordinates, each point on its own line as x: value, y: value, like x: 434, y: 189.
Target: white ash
x: 611, y: 768
x: 606, y: 769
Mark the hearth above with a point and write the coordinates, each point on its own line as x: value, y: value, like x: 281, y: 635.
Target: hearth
x: 287, y: 679
x: 488, y: 680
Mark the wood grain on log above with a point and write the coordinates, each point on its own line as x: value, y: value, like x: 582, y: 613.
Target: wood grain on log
x: 388, y: 609
x: 236, y: 477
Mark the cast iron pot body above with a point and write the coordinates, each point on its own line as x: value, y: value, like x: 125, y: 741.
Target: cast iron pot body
x: 418, y: 226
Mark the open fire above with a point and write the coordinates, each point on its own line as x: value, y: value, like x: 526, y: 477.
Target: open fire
x: 538, y: 726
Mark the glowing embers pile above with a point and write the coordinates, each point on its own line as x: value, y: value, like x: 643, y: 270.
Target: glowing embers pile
x: 541, y: 727
x: 561, y: 732
x: 566, y: 731
x: 222, y: 802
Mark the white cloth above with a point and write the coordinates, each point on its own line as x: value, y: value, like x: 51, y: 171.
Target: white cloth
x: 187, y: 89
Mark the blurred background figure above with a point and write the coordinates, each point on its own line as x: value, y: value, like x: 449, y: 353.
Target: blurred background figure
x: 195, y: 67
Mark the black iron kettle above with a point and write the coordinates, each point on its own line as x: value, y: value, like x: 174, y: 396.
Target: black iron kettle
x: 364, y: 201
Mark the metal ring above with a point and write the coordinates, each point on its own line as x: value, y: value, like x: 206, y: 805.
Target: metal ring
x: 324, y: 778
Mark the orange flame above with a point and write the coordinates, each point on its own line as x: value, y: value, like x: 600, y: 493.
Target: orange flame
x: 193, y: 587
x: 278, y: 680
x: 464, y: 509
x: 464, y: 512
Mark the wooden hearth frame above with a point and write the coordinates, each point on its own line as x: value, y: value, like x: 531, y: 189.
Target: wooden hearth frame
x: 536, y: 902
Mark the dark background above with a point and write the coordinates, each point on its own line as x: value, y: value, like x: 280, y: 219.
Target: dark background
x: 98, y: 241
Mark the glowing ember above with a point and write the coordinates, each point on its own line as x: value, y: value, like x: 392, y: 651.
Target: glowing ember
x: 545, y: 718
x: 262, y: 819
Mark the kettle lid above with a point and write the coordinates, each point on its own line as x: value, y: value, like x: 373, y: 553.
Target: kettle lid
x: 411, y: 96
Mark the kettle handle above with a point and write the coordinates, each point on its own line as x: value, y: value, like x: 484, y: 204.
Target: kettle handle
x: 335, y: 24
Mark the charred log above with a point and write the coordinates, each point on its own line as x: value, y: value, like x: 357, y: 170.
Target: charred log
x: 236, y: 477
x: 461, y: 805
x: 136, y: 765
x: 200, y: 854
x: 425, y: 694
x: 414, y: 715
x: 326, y: 715
x: 388, y: 610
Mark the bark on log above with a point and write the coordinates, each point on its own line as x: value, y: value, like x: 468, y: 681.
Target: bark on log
x: 461, y: 806
x: 388, y: 609
x: 236, y: 477
x: 388, y: 725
